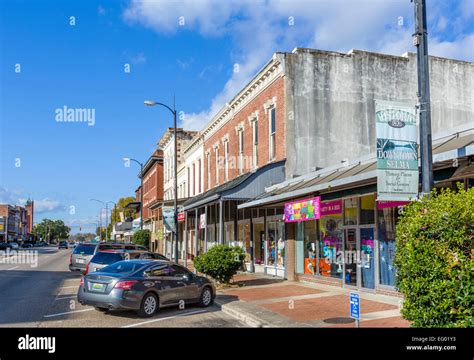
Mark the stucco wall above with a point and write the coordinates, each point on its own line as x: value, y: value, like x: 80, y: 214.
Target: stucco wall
x: 330, y: 101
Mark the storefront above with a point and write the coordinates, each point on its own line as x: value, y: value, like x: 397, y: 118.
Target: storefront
x: 345, y: 236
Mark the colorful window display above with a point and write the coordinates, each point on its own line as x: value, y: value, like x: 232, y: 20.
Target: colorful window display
x: 387, y: 219
x: 302, y: 210
x: 331, y: 236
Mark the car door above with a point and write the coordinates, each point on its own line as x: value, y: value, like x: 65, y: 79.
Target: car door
x: 159, y: 276
x: 184, y: 284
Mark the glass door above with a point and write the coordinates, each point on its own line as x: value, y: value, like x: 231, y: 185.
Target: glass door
x: 367, y: 267
x: 350, y: 257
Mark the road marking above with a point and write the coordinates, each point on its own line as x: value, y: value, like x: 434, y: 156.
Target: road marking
x: 67, y: 312
x: 13, y: 268
x: 165, y: 318
x: 69, y: 287
x: 65, y: 297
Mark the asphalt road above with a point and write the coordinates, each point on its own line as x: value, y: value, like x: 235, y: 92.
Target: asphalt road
x: 41, y: 292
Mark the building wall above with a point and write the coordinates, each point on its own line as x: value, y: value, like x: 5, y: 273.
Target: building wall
x: 273, y: 95
x: 330, y: 101
x: 152, y: 188
x: 194, y: 168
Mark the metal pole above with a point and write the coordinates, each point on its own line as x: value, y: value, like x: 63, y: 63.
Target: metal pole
x: 141, y: 196
x: 175, y: 185
x: 106, y: 222
x: 421, y: 42
x: 100, y: 229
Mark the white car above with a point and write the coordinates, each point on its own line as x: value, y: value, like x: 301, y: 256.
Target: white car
x: 15, y: 245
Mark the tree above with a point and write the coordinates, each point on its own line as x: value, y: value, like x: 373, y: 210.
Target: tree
x: 142, y: 237
x: 127, y: 213
x: 49, y: 230
x: 220, y: 262
x: 433, y: 259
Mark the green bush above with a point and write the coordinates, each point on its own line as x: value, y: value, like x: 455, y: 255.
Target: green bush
x: 434, y: 259
x: 142, y: 237
x: 220, y: 262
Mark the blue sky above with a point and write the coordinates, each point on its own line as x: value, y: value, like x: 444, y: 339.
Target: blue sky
x: 184, y: 48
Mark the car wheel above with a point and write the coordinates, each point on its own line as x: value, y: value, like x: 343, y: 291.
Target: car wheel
x: 101, y: 309
x: 149, y: 305
x: 206, y: 297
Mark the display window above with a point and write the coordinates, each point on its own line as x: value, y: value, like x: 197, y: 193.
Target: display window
x: 387, y: 220
x: 331, y: 237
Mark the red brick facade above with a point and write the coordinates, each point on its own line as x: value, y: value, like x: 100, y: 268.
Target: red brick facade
x: 272, y: 96
x: 152, y: 185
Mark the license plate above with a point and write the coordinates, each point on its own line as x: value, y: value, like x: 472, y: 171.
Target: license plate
x: 98, y: 287
x: 80, y: 261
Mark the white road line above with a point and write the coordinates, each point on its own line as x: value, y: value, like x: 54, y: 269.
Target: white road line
x: 165, y: 318
x: 13, y: 268
x: 69, y: 287
x: 65, y: 297
x: 67, y: 312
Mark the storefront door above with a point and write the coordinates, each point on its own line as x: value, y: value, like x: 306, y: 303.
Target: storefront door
x: 359, y: 262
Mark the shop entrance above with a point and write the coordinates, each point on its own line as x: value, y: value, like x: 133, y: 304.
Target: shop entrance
x: 359, y: 271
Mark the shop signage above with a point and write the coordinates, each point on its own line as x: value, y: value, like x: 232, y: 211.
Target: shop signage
x: 390, y: 204
x: 202, y: 221
x: 397, y: 151
x: 355, y: 306
x: 331, y: 207
x: 168, y: 217
x: 303, y: 210
x: 181, y: 216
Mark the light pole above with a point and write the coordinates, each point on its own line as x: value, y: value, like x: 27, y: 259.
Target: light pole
x: 420, y: 40
x: 106, y: 222
x: 141, y: 189
x: 175, y: 232
x: 115, y: 212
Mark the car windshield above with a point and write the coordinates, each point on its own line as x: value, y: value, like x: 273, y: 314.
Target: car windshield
x: 110, y: 246
x: 84, y: 249
x: 122, y: 267
x: 106, y: 258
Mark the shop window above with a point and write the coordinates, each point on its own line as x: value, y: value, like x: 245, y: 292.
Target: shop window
x: 367, y: 209
x: 259, y: 239
x: 271, y: 243
x: 387, y: 220
x: 330, y: 246
x: 310, y: 247
x: 350, y: 211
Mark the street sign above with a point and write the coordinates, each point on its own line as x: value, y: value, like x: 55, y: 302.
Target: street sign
x: 355, y: 307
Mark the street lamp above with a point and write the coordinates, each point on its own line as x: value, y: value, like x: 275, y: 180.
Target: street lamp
x: 106, y: 221
x: 141, y: 189
x: 115, y: 212
x: 173, y: 111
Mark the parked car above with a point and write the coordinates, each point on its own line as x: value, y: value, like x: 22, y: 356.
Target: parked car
x: 107, y: 257
x: 14, y: 245
x: 4, y: 246
x: 144, y: 286
x: 83, y: 253
x: 63, y: 245
x: 42, y: 244
x: 27, y: 245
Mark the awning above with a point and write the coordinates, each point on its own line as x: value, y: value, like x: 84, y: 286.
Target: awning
x: 358, y: 172
x: 243, y: 187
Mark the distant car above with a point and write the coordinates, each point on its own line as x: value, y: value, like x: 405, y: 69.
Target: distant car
x: 144, y: 286
x: 26, y: 245
x: 14, y: 245
x: 81, y: 256
x: 107, y: 257
x: 42, y: 244
x: 4, y: 246
x: 63, y: 245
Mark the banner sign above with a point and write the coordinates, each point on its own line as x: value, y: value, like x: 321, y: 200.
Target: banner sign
x: 331, y: 207
x: 397, y: 151
x: 168, y: 217
x: 181, y: 216
x: 390, y: 204
x: 202, y: 221
x: 303, y: 210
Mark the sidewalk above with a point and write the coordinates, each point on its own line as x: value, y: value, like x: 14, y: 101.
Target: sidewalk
x: 264, y: 301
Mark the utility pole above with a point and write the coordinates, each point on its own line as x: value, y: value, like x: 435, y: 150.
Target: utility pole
x: 420, y: 40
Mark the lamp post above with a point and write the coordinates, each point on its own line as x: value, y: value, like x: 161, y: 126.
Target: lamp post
x: 175, y: 232
x: 106, y: 222
x: 141, y: 189
x: 115, y: 212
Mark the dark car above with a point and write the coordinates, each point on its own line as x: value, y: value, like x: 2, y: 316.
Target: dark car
x: 63, y: 245
x: 4, y: 246
x: 42, y: 244
x: 107, y: 257
x: 27, y: 245
x: 144, y: 286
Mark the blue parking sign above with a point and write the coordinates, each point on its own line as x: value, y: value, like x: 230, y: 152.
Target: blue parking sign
x: 355, y: 306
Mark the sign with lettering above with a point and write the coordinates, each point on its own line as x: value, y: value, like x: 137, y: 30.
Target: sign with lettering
x: 397, y: 151
x: 331, y: 207
x: 303, y: 210
x: 355, y: 306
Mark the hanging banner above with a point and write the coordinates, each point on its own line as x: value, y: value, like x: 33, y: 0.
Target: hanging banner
x: 303, y: 210
x: 202, y: 221
x: 397, y: 151
x: 168, y: 218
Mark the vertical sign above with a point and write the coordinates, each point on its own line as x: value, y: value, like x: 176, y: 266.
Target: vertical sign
x: 202, y: 221
x: 397, y: 151
x: 355, y: 307
x: 168, y: 218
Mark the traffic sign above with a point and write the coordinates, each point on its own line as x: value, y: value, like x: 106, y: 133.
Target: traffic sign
x: 355, y: 306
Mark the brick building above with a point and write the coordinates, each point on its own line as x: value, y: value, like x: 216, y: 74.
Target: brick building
x: 16, y: 222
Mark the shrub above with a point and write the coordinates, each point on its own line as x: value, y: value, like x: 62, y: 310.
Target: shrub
x: 142, y: 237
x: 221, y: 262
x: 434, y: 259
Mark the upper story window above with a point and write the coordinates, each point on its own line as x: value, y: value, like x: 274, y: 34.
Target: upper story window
x: 272, y: 134
x: 255, y: 143
x: 226, y: 160
x: 241, y: 151
x: 216, y: 153
x: 208, y: 158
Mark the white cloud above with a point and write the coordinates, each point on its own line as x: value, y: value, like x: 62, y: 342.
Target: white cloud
x: 461, y: 48
x: 48, y: 205
x: 40, y: 205
x: 260, y: 28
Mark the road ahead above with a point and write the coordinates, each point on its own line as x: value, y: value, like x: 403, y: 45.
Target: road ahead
x: 45, y: 296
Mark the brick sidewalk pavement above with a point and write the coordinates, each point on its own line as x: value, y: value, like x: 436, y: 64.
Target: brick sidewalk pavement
x: 266, y: 301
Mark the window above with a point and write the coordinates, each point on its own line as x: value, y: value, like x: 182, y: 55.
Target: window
x: 272, y: 143
x: 178, y: 271
x: 208, y: 171
x: 241, y: 151
x: 199, y: 177
x: 160, y: 270
x: 255, y: 143
x: 226, y: 160
x: 216, y: 152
